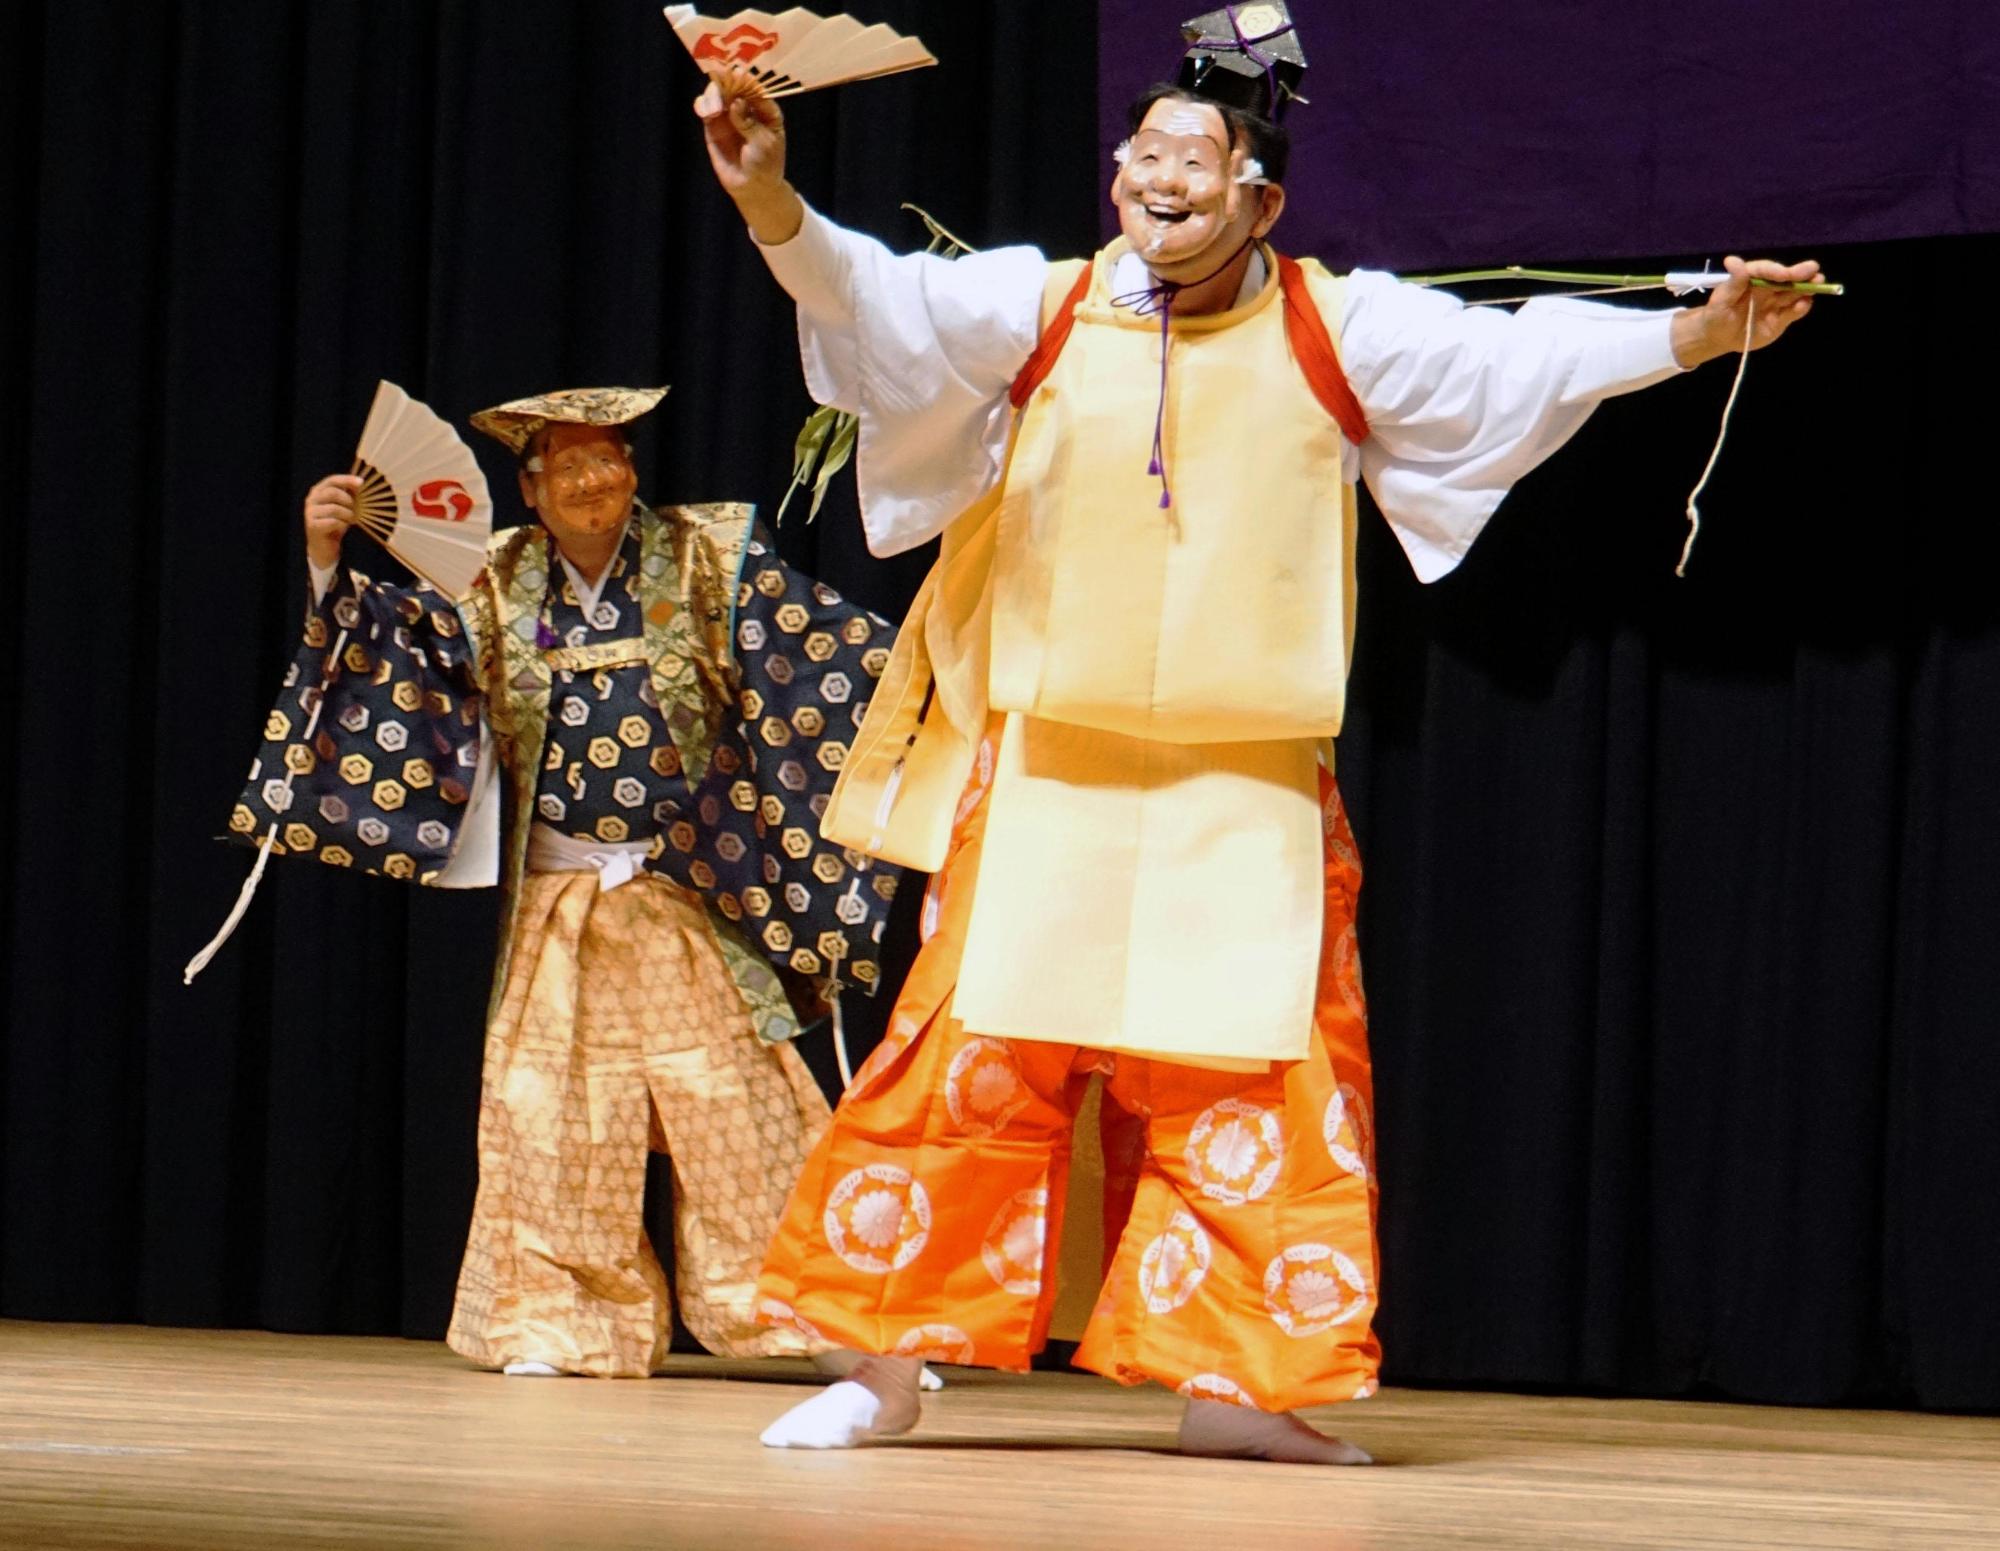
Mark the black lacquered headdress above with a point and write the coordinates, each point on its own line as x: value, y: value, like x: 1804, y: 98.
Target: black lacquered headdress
x: 1244, y: 56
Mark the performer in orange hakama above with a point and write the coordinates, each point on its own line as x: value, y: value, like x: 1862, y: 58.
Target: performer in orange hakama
x: 966, y: 1219
x: 1106, y: 728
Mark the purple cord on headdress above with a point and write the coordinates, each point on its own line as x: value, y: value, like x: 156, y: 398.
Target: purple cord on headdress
x: 1247, y: 47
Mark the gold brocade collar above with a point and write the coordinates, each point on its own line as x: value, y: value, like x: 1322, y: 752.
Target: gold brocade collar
x: 676, y: 646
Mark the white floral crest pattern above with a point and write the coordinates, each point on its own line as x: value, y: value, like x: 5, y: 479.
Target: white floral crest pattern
x: 1349, y: 1136
x: 1235, y: 1151
x: 983, y: 1089
x: 1015, y: 1241
x: 878, y: 1218
x: 1346, y: 952
x: 936, y: 1343
x: 1174, y: 1264
x: 1313, y: 1287
x: 1335, y: 833
x: 1215, y: 1386
x: 774, y: 1311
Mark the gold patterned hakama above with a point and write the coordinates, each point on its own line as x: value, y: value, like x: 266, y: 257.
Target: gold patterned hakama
x: 619, y: 1032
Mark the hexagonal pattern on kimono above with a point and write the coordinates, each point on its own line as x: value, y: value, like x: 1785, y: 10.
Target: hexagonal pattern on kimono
x: 368, y: 758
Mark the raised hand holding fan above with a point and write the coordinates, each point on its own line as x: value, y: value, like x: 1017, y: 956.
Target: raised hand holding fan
x: 422, y: 495
x: 796, y: 51
x: 423, y: 498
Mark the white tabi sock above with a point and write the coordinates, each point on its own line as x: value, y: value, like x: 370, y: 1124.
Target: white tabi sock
x: 532, y: 1370
x: 838, y: 1417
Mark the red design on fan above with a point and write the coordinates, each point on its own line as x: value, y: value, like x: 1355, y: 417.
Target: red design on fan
x: 442, y: 500
x: 738, y: 46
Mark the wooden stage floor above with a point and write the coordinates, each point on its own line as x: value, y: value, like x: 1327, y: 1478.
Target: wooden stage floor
x: 229, y: 1441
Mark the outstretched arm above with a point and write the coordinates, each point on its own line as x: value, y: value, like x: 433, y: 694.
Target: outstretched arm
x: 921, y: 349
x: 1464, y: 401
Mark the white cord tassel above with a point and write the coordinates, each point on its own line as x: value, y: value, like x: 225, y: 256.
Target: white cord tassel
x: 840, y: 1046
x: 1693, y: 510
x: 244, y: 895
x: 248, y: 892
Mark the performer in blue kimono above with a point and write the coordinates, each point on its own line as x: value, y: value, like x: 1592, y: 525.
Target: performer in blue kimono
x: 663, y: 706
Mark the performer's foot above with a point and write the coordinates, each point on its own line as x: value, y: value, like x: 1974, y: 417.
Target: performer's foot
x: 1216, y: 1429
x: 880, y: 1400
x: 839, y: 1363
x: 532, y: 1370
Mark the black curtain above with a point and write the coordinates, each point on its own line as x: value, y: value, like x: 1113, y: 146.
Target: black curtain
x: 1680, y: 892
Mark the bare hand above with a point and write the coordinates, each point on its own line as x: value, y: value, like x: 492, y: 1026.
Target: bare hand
x: 1718, y: 327
x: 329, y: 514
x: 745, y: 133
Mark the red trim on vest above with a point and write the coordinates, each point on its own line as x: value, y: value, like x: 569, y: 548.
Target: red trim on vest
x: 1305, y: 330
x: 1041, y: 361
x: 1053, y: 338
x: 1315, y: 353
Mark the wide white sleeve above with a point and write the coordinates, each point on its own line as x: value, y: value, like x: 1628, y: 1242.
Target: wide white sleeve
x: 1463, y: 401
x: 922, y: 350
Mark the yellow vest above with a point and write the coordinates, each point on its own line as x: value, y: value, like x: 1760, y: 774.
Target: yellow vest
x: 1151, y: 877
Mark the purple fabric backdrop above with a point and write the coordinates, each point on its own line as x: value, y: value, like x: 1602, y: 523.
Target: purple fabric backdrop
x: 1481, y: 133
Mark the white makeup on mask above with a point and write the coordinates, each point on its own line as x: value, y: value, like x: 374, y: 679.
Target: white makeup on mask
x: 1185, y: 121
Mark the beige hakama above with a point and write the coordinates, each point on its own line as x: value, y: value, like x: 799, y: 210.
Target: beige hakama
x: 619, y: 1032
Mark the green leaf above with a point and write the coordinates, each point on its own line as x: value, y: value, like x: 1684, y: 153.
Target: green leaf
x: 838, y: 451
x: 812, y: 440
x: 806, y: 451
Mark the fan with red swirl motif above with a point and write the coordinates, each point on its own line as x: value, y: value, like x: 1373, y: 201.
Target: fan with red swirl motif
x: 796, y: 51
x: 422, y: 496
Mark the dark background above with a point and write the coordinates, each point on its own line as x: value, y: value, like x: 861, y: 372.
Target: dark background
x: 1682, y: 894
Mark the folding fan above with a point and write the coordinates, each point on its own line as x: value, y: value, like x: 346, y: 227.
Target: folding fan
x: 796, y: 51
x: 422, y: 495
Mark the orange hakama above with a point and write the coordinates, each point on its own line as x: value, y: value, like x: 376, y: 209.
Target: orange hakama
x: 927, y: 1220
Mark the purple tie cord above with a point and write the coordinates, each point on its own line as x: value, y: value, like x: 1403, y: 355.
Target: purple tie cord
x: 1159, y: 298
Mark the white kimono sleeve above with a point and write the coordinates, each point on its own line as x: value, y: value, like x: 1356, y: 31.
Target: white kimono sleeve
x: 922, y: 350
x: 1463, y: 401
